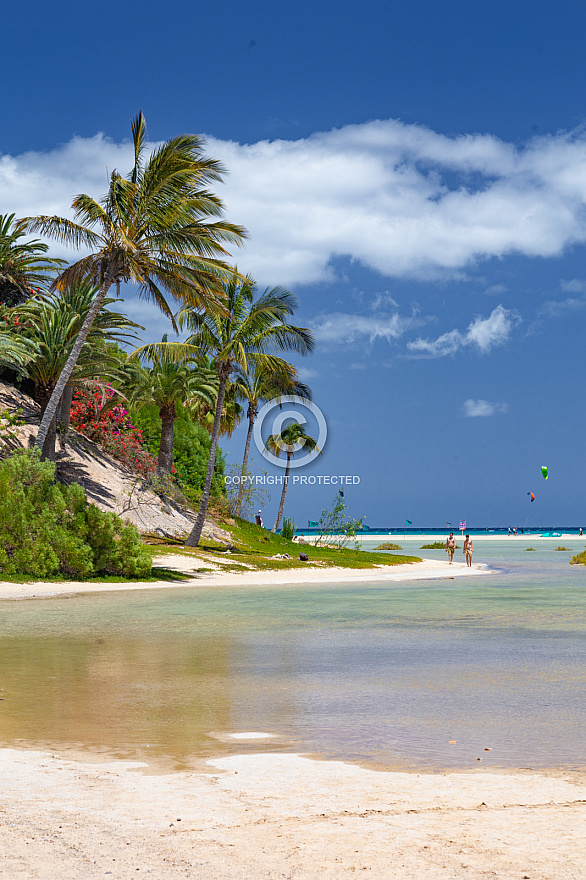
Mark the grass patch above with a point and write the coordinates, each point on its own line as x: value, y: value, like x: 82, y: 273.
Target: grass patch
x: 255, y: 546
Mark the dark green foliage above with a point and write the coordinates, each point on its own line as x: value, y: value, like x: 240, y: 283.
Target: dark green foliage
x: 288, y: 529
x: 388, y: 546
x: 191, y: 449
x: 48, y: 530
x: 437, y: 545
x: 579, y: 558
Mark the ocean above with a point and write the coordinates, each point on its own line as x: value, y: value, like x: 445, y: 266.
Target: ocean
x: 422, y: 674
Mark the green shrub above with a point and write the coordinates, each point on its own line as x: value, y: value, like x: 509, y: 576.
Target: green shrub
x: 563, y: 548
x: 47, y: 529
x: 529, y: 548
x: 579, y: 558
x: 288, y: 529
x: 437, y: 545
x: 191, y: 449
x: 388, y: 547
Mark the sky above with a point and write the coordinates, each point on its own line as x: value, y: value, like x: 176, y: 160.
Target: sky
x: 415, y: 173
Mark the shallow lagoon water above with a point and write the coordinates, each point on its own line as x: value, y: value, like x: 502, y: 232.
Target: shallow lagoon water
x: 381, y: 674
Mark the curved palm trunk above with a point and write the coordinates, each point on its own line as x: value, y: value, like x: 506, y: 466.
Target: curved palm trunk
x: 195, y: 534
x: 165, y: 461
x: 252, y: 412
x: 50, y: 411
x: 64, y: 409
x: 43, y: 393
x: 283, y: 494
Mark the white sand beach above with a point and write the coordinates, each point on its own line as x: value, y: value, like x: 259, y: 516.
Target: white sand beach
x: 269, y: 816
x: 425, y: 570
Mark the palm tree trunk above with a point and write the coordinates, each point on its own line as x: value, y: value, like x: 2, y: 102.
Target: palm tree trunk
x: 64, y: 409
x: 195, y: 534
x: 43, y: 393
x: 51, y: 409
x: 240, y: 498
x: 165, y: 462
x: 283, y: 495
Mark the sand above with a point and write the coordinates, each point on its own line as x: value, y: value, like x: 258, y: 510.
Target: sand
x: 269, y: 816
x: 426, y: 570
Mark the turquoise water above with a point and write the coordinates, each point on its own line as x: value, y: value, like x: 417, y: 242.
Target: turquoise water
x: 385, y: 674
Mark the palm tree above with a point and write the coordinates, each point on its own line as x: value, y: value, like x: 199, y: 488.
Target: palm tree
x: 170, y: 387
x: 51, y: 324
x: 289, y: 440
x: 259, y: 385
x: 250, y: 329
x: 152, y: 228
x: 23, y: 265
x: 232, y: 411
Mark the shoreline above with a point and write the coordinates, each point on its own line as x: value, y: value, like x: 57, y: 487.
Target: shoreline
x: 429, y: 537
x: 427, y: 569
x: 285, y: 815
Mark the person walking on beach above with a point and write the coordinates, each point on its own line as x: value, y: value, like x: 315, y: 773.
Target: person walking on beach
x: 468, y: 550
x: 451, y: 546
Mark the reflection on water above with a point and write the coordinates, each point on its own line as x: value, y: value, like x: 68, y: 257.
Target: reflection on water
x: 388, y: 674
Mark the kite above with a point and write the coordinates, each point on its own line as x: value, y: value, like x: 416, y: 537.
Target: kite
x: 532, y: 496
x: 544, y: 472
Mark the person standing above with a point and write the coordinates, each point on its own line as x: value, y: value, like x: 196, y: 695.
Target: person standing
x: 258, y: 520
x: 451, y: 546
x: 468, y: 550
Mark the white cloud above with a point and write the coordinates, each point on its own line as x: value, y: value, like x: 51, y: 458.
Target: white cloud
x: 496, y: 289
x: 340, y: 327
x: 474, y: 408
x: 401, y: 199
x: 574, y: 285
x: 306, y: 373
x: 358, y: 366
x: 561, y: 308
x: 482, y: 333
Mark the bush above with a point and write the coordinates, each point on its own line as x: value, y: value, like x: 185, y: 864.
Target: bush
x: 388, y: 546
x: 288, y: 529
x: 191, y: 449
x: 47, y: 529
x: 579, y: 558
x: 94, y: 414
x: 437, y: 545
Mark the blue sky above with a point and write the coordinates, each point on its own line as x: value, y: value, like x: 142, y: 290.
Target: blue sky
x: 416, y: 173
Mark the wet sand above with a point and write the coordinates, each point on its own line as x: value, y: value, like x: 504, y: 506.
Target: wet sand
x: 284, y: 816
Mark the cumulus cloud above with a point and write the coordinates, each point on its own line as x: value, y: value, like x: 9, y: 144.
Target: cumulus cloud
x: 483, y: 334
x: 475, y: 408
x: 400, y: 199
